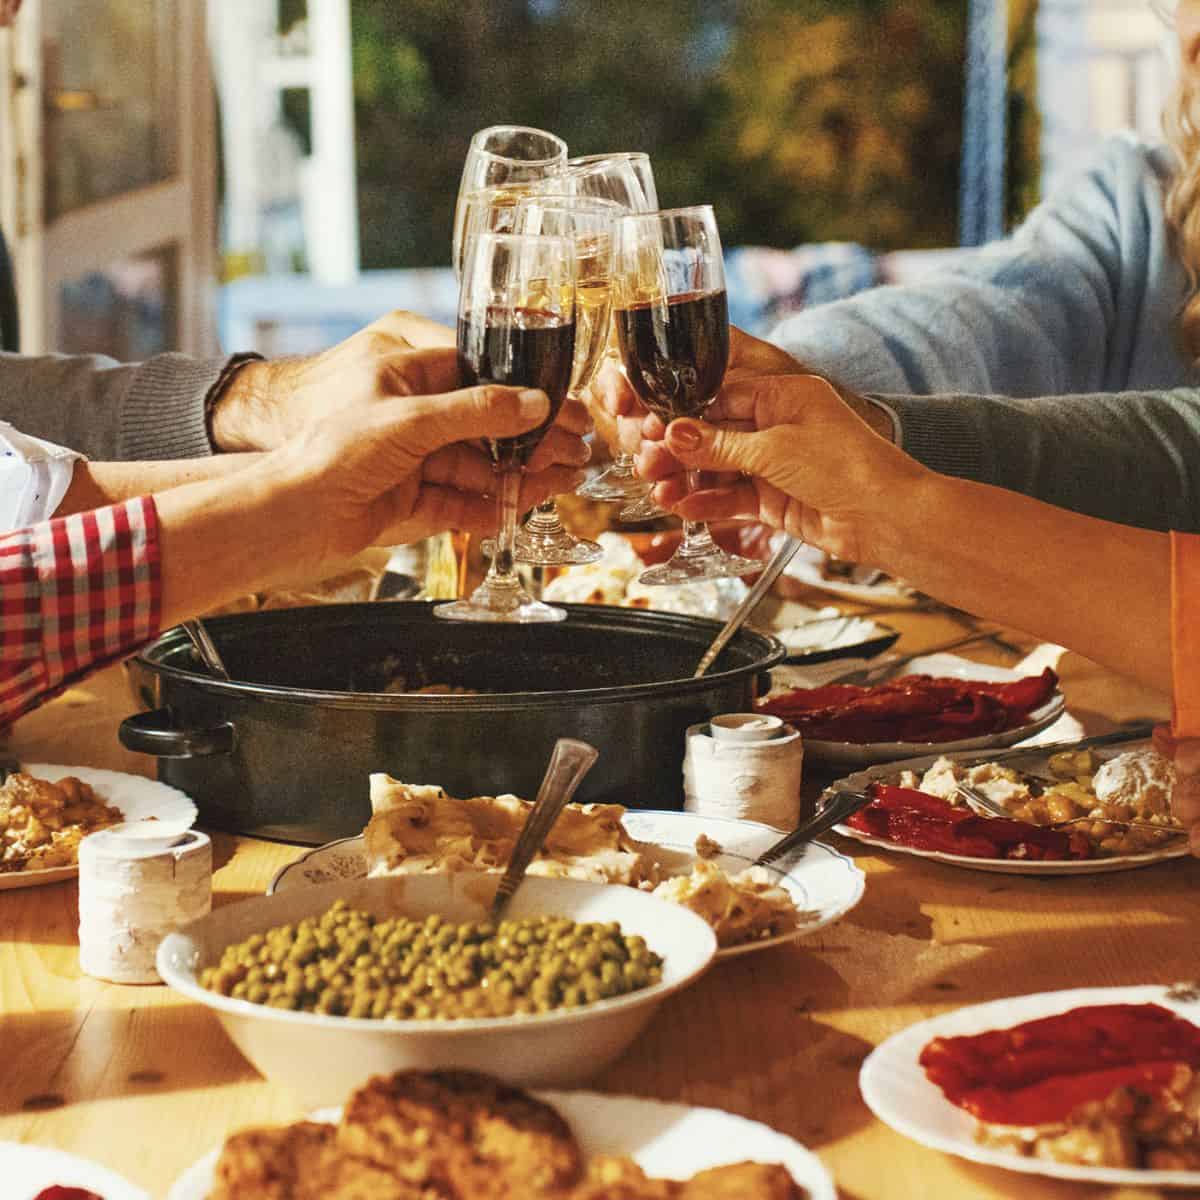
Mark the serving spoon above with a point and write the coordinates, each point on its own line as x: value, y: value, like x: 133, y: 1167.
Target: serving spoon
x: 569, y: 762
x: 205, y: 647
x: 771, y: 572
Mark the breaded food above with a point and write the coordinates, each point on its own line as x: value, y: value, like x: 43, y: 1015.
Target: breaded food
x: 743, y: 1181
x: 613, y: 1178
x: 463, y: 1132
x: 302, y: 1162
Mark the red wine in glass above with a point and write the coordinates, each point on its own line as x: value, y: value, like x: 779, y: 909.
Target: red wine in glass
x: 522, y: 347
x: 675, y: 354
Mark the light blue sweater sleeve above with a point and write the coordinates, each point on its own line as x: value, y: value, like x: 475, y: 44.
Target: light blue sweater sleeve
x: 1046, y: 363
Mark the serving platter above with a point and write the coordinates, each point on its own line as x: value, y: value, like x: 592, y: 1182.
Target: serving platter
x: 138, y: 798
x: 831, y: 638
x: 861, y: 780
x: 824, y: 885
x: 861, y: 754
x: 29, y: 1170
x: 896, y: 1090
x: 670, y: 1140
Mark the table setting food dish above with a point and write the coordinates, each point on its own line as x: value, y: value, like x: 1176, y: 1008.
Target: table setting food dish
x: 619, y: 679
x: 591, y: 1145
x: 941, y: 702
x: 44, y: 1173
x: 794, y: 896
x: 1093, y: 792
x: 1058, y: 1096
x: 550, y: 1048
x: 46, y: 809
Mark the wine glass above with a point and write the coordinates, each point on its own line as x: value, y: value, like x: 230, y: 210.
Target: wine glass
x: 627, y: 177
x: 587, y: 222
x: 504, y: 155
x: 516, y: 326
x: 672, y: 323
x: 639, y: 164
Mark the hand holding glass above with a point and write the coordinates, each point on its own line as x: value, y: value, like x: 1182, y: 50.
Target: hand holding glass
x: 516, y: 326
x: 672, y: 321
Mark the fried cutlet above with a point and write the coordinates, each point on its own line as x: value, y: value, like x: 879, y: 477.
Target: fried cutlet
x: 611, y: 1178
x: 303, y: 1162
x: 462, y: 1132
x: 743, y: 1181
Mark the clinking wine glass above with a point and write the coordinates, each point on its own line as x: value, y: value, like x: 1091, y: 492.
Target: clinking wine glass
x: 672, y: 322
x: 513, y: 156
x: 587, y: 222
x: 627, y: 177
x: 516, y: 326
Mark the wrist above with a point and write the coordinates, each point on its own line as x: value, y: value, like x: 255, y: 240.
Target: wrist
x: 906, y: 522
x: 243, y: 413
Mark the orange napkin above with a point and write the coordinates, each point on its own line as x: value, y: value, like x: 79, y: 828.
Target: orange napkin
x: 1185, y: 633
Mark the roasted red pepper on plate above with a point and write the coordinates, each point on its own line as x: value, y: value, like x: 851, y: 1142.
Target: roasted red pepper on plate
x: 913, y: 708
x: 1041, y: 1070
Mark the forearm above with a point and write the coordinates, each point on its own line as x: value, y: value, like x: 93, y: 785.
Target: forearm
x: 96, y: 484
x: 1102, y: 589
x: 221, y: 539
x: 1125, y: 456
x: 112, y: 411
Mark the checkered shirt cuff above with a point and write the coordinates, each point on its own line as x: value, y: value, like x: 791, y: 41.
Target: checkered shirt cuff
x: 76, y: 593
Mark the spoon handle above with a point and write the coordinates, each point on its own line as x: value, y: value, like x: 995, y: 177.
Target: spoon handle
x: 205, y: 647
x: 569, y: 763
x: 771, y: 572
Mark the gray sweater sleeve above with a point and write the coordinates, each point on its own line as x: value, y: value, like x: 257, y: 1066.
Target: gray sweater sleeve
x: 1131, y: 457
x: 113, y: 411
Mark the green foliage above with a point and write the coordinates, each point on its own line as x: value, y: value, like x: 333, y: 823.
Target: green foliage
x: 800, y: 120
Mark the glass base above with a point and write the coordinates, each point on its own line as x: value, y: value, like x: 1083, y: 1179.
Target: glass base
x: 688, y: 568
x: 613, y: 484
x: 502, y: 603
x: 642, y: 510
x: 552, y: 550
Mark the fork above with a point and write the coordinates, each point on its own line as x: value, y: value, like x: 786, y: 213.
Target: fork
x: 878, y: 672
x: 991, y: 808
x: 843, y: 804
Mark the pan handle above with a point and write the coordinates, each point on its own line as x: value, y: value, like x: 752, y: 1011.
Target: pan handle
x: 156, y: 733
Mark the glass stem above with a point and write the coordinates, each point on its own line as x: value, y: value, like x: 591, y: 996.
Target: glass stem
x: 696, y: 538
x: 502, y: 571
x: 623, y: 466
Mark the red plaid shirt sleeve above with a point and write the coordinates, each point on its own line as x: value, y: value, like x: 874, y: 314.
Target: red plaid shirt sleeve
x: 76, y: 593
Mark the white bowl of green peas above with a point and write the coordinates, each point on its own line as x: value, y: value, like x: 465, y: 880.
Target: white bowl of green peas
x: 323, y: 987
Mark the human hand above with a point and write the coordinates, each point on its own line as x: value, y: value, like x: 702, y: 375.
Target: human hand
x: 384, y: 473
x: 1185, y: 795
x: 815, y: 468
x: 613, y: 401
x: 401, y: 354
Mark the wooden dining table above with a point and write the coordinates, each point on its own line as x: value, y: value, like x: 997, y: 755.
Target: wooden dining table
x: 144, y: 1081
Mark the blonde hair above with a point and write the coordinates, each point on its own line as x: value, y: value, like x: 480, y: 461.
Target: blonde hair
x: 1181, y: 122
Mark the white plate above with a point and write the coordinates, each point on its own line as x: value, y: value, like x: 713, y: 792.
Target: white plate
x: 28, y: 1170
x: 806, y: 568
x: 137, y: 797
x: 894, y: 1085
x: 861, y: 754
x: 860, y: 780
x: 823, y: 884
x: 666, y: 1140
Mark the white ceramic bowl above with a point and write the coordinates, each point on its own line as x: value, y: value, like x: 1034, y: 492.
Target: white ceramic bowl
x: 323, y: 1058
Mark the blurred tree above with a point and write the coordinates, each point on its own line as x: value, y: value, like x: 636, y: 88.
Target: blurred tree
x: 801, y: 120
